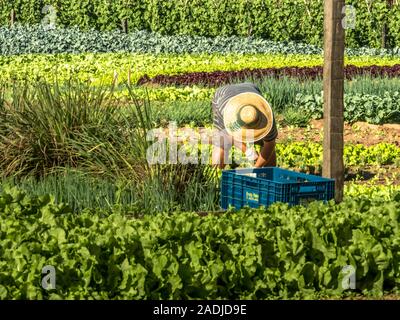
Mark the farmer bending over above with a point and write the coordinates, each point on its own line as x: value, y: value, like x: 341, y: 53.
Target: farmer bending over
x: 243, y: 117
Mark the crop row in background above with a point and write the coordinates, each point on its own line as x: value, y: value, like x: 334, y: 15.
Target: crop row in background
x: 371, y: 99
x: 103, y: 68
x: 269, y: 19
x: 23, y: 39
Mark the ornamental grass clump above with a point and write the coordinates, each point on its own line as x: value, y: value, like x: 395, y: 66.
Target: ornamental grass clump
x: 48, y: 129
x: 42, y: 123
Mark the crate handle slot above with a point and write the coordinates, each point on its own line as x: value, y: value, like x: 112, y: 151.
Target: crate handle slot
x: 308, y: 189
x: 251, y: 184
x: 291, y: 178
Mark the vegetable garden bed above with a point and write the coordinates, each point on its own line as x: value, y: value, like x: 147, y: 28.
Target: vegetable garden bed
x: 279, y: 252
x: 77, y: 191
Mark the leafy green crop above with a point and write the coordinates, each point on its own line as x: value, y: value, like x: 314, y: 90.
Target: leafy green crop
x: 278, y: 252
x: 23, y: 39
x: 279, y: 20
x: 374, y: 109
x: 172, y: 94
x: 47, y: 129
x: 103, y: 68
x: 371, y: 191
x: 307, y: 156
x: 358, y: 107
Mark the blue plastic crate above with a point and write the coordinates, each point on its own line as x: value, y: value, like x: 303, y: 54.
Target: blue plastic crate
x: 264, y: 186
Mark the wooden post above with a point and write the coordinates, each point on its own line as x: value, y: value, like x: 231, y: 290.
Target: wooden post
x: 334, y: 36
x: 12, y: 17
x: 125, y: 27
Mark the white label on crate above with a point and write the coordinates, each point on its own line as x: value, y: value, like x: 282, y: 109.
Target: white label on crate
x: 253, y: 175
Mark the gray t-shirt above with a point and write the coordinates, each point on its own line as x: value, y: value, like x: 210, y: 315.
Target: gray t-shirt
x: 222, y: 96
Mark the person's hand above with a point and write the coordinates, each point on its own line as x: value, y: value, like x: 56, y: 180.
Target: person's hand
x: 267, y: 156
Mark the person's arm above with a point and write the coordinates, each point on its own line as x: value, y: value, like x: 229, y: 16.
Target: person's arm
x: 221, y: 143
x: 267, y: 156
x: 218, y: 157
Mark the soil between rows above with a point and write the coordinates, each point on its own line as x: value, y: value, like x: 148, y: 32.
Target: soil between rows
x: 357, y: 133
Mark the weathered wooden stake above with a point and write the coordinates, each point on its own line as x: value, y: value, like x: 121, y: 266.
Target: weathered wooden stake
x: 125, y: 27
x: 334, y: 36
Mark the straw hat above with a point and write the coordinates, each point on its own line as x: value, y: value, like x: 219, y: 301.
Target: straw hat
x: 248, y: 117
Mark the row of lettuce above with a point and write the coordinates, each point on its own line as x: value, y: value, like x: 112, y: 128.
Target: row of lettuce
x: 278, y: 252
x: 304, y: 155
x: 23, y: 39
x: 125, y: 67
